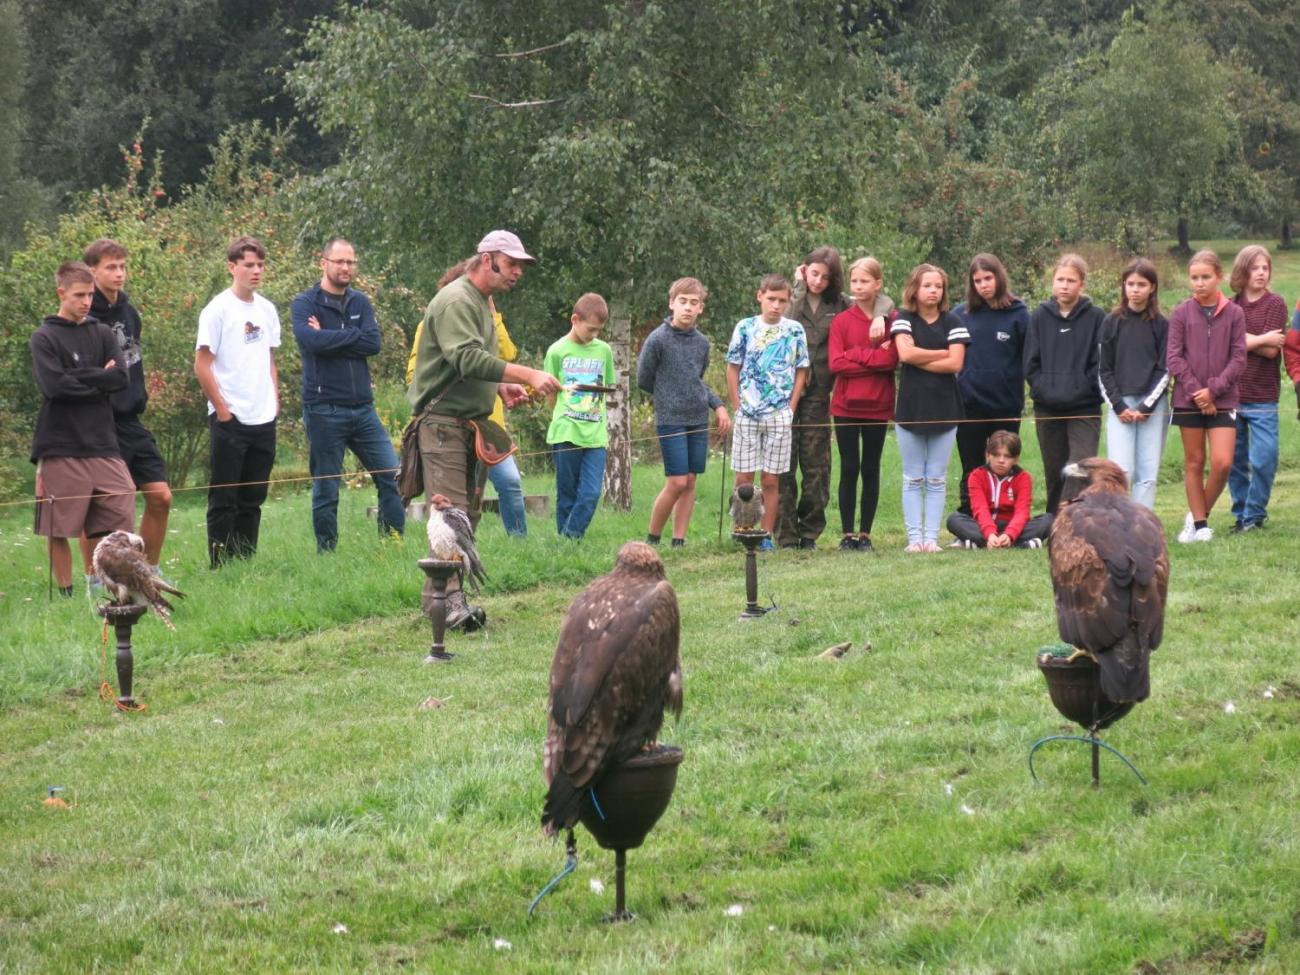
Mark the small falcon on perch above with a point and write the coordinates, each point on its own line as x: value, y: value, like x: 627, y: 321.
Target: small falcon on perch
x: 128, y: 578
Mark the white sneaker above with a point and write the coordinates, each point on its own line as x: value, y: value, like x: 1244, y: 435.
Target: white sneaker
x: 1188, y: 534
x: 1203, y: 534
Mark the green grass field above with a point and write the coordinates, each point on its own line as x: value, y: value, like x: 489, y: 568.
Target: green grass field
x: 286, y: 803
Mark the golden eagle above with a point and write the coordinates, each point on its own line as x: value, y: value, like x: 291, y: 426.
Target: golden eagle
x: 1110, y: 575
x: 616, y: 669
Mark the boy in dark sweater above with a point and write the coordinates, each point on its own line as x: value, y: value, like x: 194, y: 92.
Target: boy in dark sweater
x: 112, y: 306
x: 82, y: 484
x: 671, y: 368
x: 1001, y: 495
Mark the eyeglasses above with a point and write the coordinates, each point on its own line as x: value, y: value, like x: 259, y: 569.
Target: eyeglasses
x: 341, y: 263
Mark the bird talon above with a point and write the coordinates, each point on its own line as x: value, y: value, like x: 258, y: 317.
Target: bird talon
x: 1080, y: 652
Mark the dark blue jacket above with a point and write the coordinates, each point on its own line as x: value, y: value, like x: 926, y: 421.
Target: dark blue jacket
x: 334, y: 367
x: 992, y: 377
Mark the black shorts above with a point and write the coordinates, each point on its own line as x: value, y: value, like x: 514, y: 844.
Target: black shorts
x: 140, y: 451
x: 1194, y: 419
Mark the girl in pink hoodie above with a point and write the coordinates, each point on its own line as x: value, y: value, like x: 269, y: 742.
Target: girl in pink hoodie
x: 1206, y: 356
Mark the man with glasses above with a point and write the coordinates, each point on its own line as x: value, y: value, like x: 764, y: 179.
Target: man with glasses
x: 337, y: 333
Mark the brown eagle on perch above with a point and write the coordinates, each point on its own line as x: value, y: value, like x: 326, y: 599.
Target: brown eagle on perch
x: 1110, y: 576
x: 616, y: 669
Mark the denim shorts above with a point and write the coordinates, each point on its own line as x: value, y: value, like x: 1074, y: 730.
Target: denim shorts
x: 685, y: 448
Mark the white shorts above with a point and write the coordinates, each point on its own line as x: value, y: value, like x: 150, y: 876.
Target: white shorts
x: 761, y: 443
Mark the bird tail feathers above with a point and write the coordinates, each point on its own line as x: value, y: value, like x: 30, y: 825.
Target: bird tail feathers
x: 1125, y: 674
x: 563, y: 804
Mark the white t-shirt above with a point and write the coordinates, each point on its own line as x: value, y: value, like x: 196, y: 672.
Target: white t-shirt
x: 241, y: 335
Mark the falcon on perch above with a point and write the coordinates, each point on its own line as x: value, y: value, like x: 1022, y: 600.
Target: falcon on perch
x: 1110, y: 577
x: 746, y: 508
x: 616, y: 669
x: 128, y: 578
x: 451, y: 539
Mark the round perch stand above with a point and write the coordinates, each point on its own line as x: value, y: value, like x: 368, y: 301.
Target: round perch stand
x: 123, y: 618
x: 439, y: 571
x: 751, y: 540
x: 626, y: 803
x: 1075, y: 690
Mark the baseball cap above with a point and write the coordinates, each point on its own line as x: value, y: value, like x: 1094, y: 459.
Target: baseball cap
x: 507, y: 243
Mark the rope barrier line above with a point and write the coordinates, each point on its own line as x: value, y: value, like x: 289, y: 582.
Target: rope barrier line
x: 551, y: 452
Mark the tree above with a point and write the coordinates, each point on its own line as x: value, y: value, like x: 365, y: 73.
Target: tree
x: 1144, y: 133
x: 98, y: 68
x: 19, y: 196
x: 629, y: 142
x: 176, y: 265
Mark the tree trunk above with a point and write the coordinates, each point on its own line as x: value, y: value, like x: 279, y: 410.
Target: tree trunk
x: 1184, y: 241
x: 618, y: 463
x: 1287, y: 243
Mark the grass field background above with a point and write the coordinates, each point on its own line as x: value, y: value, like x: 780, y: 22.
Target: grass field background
x: 287, y: 804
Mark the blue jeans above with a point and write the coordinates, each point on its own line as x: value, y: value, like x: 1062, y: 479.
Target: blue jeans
x: 1254, y: 462
x: 1137, y: 447
x: 579, y: 478
x: 510, y: 496
x: 925, y: 481
x: 332, y: 429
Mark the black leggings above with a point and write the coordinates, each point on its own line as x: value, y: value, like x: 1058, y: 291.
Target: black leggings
x: 871, y: 433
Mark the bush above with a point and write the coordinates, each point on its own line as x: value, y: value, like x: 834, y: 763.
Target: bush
x: 176, y: 265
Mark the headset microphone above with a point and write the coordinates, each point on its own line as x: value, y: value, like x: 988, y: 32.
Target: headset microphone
x: 492, y: 260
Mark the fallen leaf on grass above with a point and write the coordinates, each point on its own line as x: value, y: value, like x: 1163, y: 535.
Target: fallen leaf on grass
x: 431, y: 704
x: 836, y: 652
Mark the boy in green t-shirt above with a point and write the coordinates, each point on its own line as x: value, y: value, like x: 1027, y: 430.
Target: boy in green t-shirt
x: 577, y: 432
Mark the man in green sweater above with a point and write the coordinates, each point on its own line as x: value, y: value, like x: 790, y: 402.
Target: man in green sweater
x: 458, y: 375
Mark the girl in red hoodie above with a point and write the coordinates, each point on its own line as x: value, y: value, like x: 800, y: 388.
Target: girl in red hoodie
x: 1206, y: 356
x: 1000, y: 497
x: 863, y: 361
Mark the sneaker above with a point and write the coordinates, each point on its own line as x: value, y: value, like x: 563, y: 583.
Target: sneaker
x: 1030, y: 543
x: 1238, y: 527
x: 849, y: 544
x: 957, y: 543
x: 1203, y: 534
x: 1188, y: 534
x: 766, y: 545
x: 808, y: 544
x: 652, y: 539
x: 864, y: 544
x: 678, y: 543
x: 1250, y: 526
x: 965, y: 543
